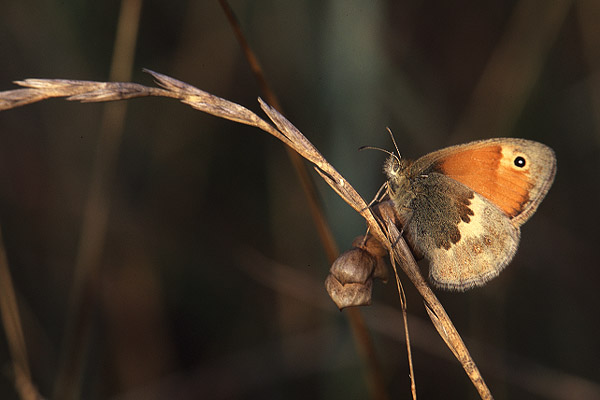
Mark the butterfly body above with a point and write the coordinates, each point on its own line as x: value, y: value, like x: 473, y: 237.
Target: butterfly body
x: 462, y: 207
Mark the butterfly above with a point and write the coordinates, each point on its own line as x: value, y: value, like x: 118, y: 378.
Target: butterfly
x: 462, y: 207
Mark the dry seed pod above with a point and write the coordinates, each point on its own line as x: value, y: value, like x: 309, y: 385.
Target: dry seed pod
x: 350, y: 294
x: 378, y: 252
x: 350, y: 281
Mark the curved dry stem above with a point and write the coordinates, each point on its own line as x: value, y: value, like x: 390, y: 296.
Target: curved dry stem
x: 386, y: 233
x: 363, y: 340
x: 391, y: 239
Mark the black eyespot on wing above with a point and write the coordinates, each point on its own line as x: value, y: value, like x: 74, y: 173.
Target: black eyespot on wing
x: 520, y: 162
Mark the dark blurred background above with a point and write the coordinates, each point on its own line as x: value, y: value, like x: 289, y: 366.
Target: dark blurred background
x: 210, y: 278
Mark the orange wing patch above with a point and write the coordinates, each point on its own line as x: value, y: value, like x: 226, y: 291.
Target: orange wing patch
x: 492, y: 173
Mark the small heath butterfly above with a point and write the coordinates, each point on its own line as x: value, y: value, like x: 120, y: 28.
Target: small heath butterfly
x: 462, y: 207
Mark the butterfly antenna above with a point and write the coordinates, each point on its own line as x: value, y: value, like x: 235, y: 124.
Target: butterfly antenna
x: 376, y: 148
x: 394, y: 141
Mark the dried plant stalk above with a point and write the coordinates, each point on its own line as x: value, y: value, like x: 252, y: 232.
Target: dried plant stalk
x: 13, y: 329
x: 362, y: 338
x: 386, y: 233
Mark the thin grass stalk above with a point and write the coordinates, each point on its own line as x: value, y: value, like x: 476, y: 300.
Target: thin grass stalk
x: 362, y: 337
x: 13, y: 329
x: 84, y: 290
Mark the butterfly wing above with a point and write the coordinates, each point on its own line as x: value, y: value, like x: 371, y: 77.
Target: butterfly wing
x: 487, y: 244
x: 513, y: 174
x: 466, y: 238
x: 468, y: 202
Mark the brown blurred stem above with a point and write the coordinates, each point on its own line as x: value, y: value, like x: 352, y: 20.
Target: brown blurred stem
x: 84, y: 290
x: 11, y: 321
x: 299, y: 166
x: 362, y: 337
x: 513, y: 69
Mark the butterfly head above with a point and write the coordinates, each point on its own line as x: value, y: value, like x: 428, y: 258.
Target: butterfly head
x: 396, y: 170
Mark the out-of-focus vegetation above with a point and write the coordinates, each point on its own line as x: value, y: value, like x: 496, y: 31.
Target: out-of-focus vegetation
x: 190, y: 304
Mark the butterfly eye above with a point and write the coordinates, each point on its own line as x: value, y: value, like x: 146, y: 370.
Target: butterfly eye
x: 519, y: 162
